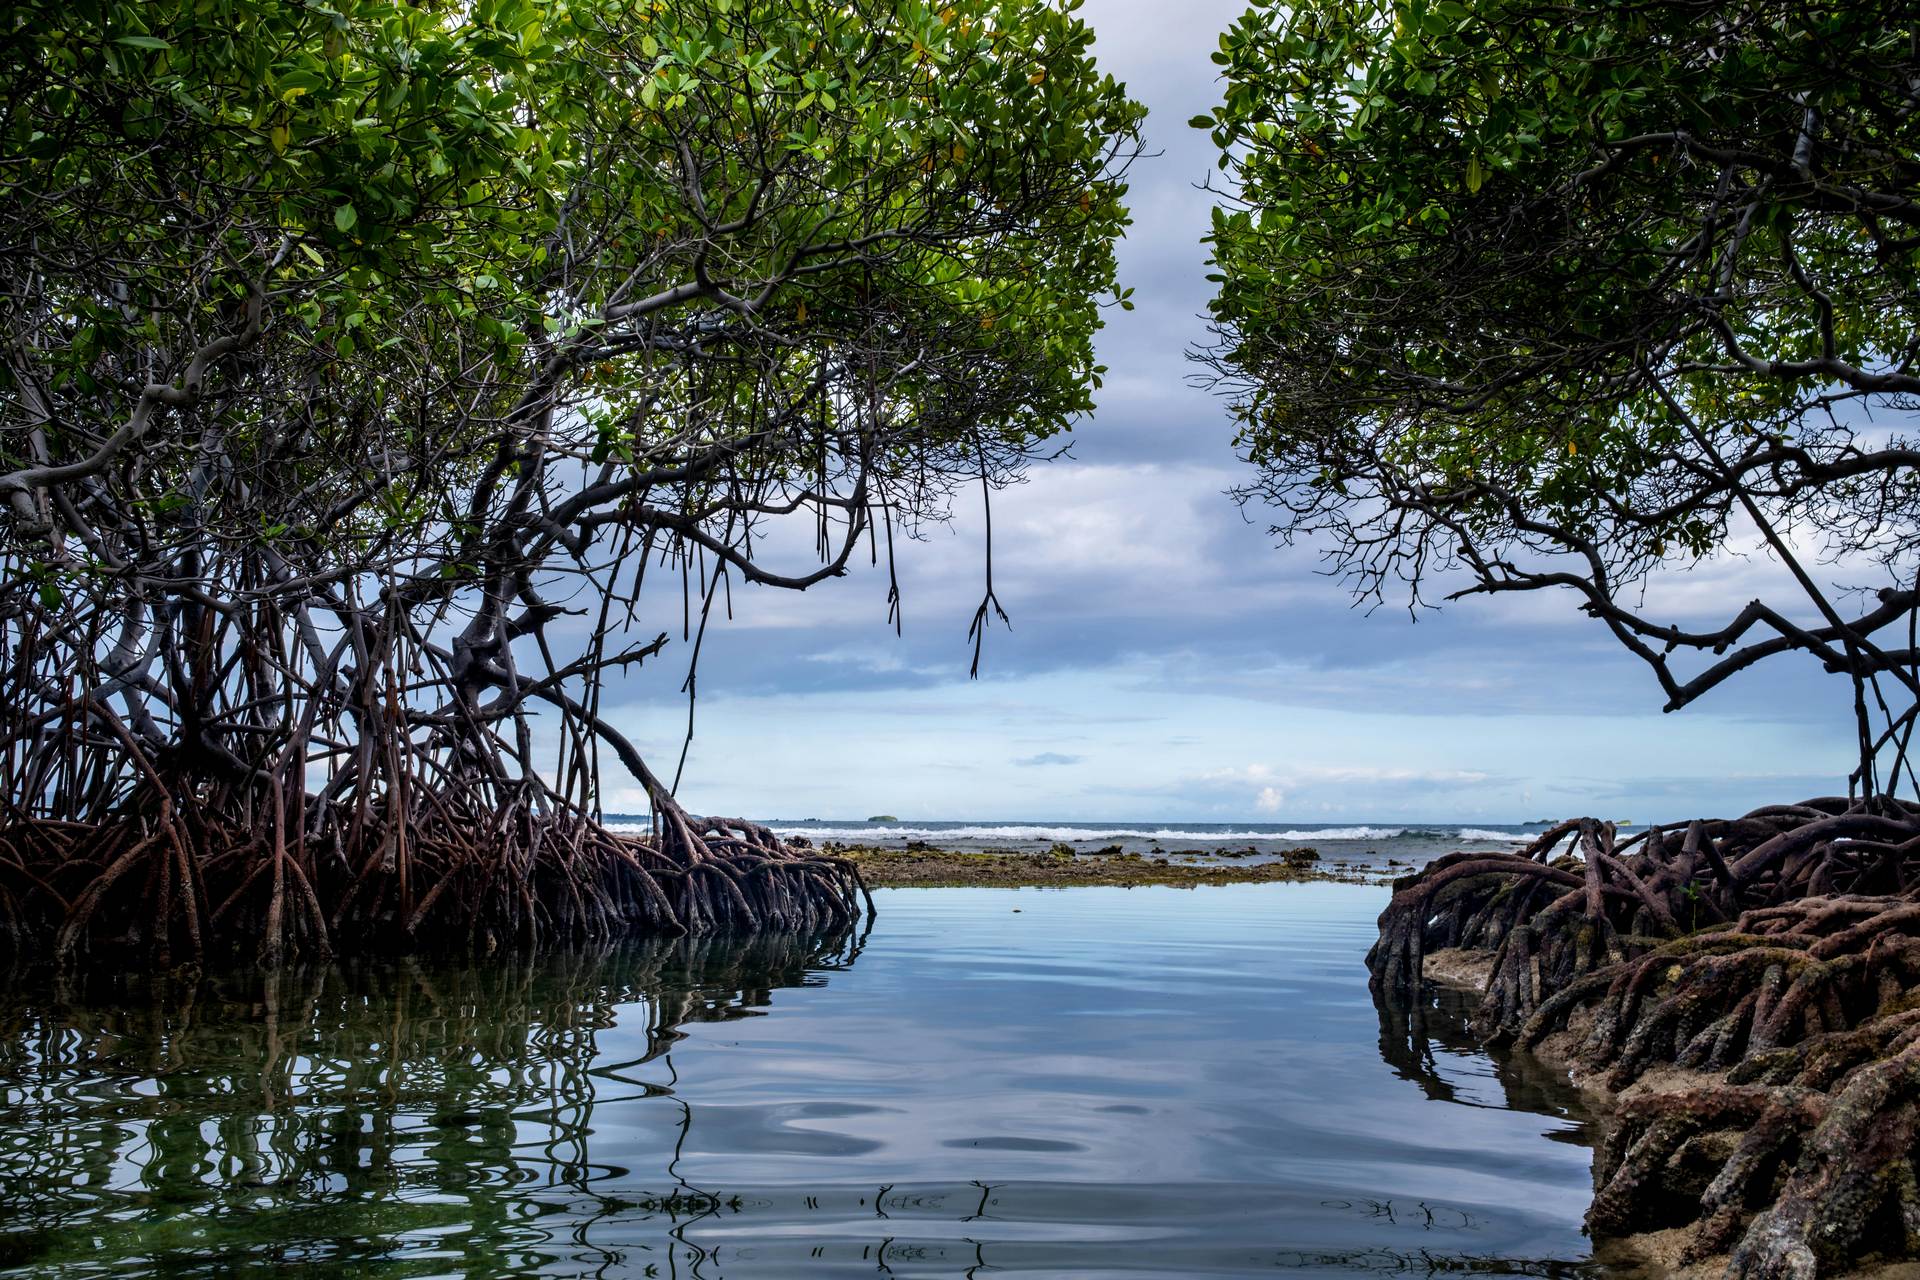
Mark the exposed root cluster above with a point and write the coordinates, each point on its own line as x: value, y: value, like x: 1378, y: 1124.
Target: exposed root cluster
x: 1782, y: 948
x: 181, y: 883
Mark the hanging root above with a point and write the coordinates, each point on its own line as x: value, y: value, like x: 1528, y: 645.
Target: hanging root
x: 257, y: 878
x: 1781, y: 948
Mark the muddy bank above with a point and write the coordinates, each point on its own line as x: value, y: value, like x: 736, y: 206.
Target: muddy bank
x: 921, y: 867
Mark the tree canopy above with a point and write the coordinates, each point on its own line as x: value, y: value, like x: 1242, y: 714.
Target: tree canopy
x: 1559, y: 297
x: 362, y: 358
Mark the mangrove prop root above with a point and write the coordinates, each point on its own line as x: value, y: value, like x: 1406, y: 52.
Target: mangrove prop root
x: 174, y: 882
x: 1782, y: 948
x: 286, y: 764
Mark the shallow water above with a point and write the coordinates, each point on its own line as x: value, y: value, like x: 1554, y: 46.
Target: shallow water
x: 1077, y: 1083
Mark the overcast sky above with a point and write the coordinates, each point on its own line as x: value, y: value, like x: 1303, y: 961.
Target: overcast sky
x: 1166, y: 660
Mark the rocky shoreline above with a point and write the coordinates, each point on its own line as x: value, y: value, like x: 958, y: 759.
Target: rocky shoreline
x: 923, y: 866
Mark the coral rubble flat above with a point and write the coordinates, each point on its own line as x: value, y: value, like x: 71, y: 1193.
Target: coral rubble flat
x: 925, y: 868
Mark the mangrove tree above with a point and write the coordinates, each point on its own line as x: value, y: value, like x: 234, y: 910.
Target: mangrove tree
x: 373, y: 370
x: 1520, y: 297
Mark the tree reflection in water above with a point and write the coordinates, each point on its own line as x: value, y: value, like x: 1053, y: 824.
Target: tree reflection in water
x: 1427, y: 1040
x: 523, y: 1114
x: 423, y: 1115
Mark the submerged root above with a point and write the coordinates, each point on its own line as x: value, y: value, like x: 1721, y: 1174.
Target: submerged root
x: 1782, y: 948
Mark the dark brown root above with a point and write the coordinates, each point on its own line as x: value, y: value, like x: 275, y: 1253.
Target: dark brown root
x: 172, y: 887
x: 1782, y: 947
x: 348, y: 778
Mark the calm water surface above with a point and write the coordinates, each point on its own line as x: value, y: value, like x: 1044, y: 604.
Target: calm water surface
x: 1078, y: 1083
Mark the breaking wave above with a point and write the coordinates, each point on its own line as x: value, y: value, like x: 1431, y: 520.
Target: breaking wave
x: 1094, y: 834
x: 1018, y: 834
x: 1023, y: 833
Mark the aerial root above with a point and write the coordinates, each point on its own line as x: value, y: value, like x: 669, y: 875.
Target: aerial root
x: 1640, y: 1152
x: 1852, y: 1187
x: 230, y: 879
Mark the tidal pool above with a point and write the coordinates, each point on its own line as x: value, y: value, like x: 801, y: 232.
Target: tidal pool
x: 1063, y: 1083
